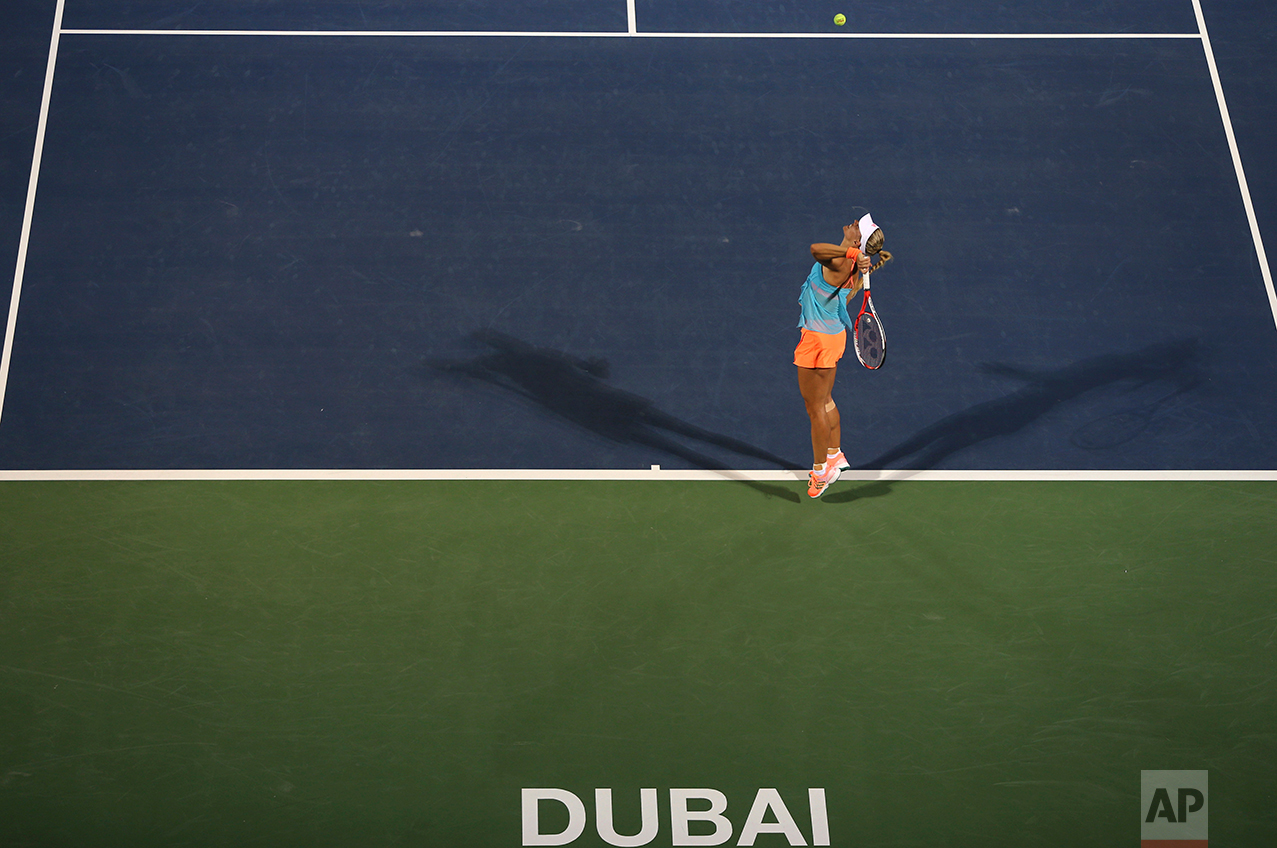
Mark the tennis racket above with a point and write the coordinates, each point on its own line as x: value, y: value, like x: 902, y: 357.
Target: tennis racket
x: 870, y: 339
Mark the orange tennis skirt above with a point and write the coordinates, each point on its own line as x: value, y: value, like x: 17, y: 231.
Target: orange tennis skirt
x: 819, y: 350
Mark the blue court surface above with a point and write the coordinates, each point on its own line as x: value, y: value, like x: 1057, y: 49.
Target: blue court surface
x: 570, y: 235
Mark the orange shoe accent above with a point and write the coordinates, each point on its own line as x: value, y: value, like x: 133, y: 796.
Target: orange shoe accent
x: 817, y: 484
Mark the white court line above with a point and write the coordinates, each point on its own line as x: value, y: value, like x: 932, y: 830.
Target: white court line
x: 630, y: 17
x: 634, y: 34
x: 25, y: 239
x: 1237, y: 161
x: 320, y: 475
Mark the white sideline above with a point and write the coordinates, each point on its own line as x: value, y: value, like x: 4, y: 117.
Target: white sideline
x: 1237, y: 161
x: 25, y: 239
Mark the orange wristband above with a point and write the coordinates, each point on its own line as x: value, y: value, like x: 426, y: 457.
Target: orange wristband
x: 853, y: 253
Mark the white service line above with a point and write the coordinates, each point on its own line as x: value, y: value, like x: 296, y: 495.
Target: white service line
x: 25, y: 239
x: 1237, y: 161
x: 975, y: 36
x: 625, y: 475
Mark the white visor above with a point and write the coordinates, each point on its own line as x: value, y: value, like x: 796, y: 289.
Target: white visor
x: 867, y: 227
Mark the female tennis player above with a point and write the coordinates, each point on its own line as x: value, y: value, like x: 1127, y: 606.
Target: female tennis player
x: 835, y: 277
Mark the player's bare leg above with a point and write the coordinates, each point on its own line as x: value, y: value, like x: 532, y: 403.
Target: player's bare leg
x: 816, y: 386
x: 833, y: 453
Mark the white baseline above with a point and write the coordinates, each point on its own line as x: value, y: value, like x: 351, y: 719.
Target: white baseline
x: 654, y: 474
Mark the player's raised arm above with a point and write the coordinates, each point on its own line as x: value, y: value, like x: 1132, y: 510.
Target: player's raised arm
x: 835, y: 257
x: 826, y: 254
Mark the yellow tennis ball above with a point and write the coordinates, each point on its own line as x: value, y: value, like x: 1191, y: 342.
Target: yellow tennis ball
x: 840, y: 19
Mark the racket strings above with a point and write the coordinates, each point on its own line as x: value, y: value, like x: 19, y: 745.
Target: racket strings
x: 870, y: 344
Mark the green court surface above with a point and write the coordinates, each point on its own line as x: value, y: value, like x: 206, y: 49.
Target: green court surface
x: 390, y: 663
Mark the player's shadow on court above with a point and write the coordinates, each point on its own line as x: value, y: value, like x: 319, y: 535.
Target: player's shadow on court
x: 575, y: 389
x: 1172, y: 364
x: 849, y: 491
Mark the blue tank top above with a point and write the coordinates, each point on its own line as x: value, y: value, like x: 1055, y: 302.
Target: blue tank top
x: 824, y: 308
